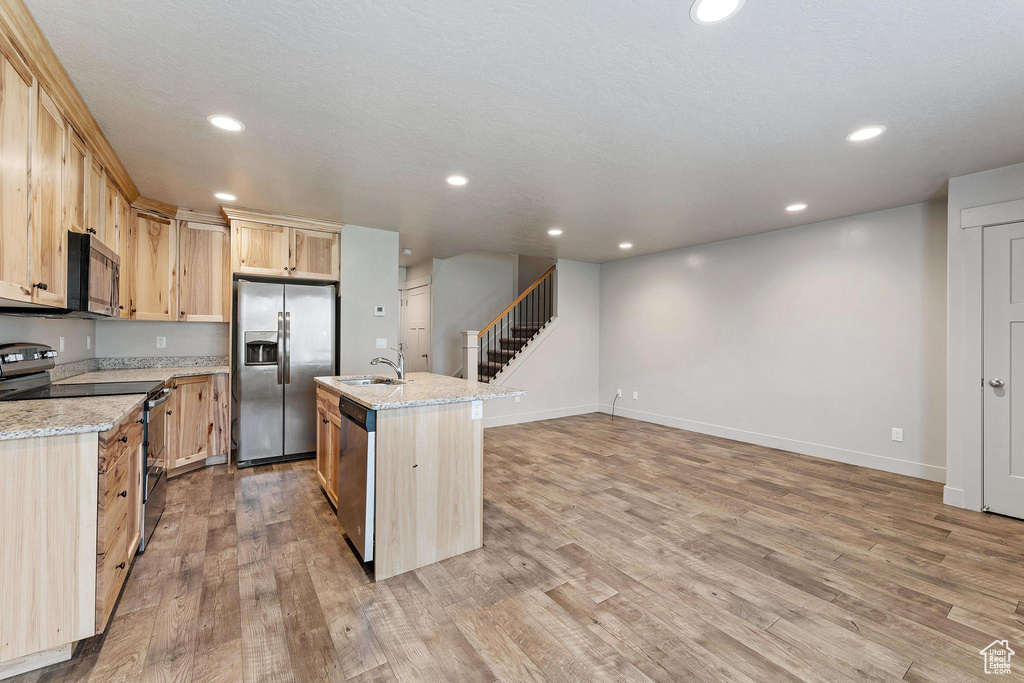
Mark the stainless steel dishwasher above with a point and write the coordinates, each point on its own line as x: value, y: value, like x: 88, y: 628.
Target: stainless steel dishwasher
x: 356, y: 473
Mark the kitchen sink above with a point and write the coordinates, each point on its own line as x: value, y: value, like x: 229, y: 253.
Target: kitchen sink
x: 367, y: 381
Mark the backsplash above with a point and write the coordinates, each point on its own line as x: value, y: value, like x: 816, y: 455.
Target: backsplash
x: 65, y: 370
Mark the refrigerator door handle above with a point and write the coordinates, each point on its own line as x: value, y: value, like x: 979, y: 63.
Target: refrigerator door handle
x: 288, y: 348
x: 283, y: 350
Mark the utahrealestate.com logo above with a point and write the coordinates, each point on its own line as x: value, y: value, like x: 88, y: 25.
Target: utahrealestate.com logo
x: 997, y: 657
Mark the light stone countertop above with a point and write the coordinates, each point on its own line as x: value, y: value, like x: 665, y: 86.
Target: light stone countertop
x: 52, y: 417
x: 144, y: 374
x: 418, y: 389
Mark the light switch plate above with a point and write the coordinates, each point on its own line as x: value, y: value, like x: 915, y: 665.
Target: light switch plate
x: 378, y: 311
x: 477, y: 410
x: 636, y: 395
x: 382, y: 342
x: 88, y: 342
x: 61, y: 345
x: 161, y: 342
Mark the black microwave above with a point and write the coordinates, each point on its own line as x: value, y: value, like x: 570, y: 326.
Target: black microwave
x: 94, y: 277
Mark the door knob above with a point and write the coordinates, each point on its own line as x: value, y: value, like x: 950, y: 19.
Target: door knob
x: 995, y: 383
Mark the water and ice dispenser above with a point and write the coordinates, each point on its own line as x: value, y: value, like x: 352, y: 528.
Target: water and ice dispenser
x: 261, y: 348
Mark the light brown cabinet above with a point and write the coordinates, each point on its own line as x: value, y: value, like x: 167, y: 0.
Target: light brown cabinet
x: 119, y: 509
x: 15, y: 143
x: 204, y: 289
x: 94, y: 199
x: 328, y: 442
x: 76, y: 166
x: 49, y: 255
x: 282, y: 251
x: 189, y: 424
x: 314, y: 254
x: 110, y: 235
x: 151, y: 262
x: 124, y: 223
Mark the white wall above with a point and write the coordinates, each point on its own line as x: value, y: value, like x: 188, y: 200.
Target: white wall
x: 559, y: 369
x: 369, y: 261
x: 529, y: 269
x: 16, y: 328
x: 137, y: 338
x: 817, y: 339
x: 467, y: 291
x: 978, y: 189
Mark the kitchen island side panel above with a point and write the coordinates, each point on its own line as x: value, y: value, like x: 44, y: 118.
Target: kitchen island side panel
x: 429, y: 486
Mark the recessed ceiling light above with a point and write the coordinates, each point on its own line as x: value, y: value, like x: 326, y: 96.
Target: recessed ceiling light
x: 406, y: 251
x: 714, y: 11
x: 793, y: 208
x: 457, y: 180
x: 555, y: 232
x: 626, y: 245
x: 865, y: 133
x: 226, y: 122
x: 225, y: 196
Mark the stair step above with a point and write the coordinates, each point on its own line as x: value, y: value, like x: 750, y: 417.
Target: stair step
x: 513, y: 342
x: 502, y: 355
x: 526, y: 329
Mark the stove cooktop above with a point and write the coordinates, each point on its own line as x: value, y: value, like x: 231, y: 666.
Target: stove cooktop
x: 82, y: 390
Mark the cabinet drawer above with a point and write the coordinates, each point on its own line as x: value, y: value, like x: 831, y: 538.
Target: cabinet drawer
x: 116, y: 495
x: 113, y: 568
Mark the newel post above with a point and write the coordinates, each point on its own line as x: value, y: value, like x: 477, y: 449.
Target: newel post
x: 470, y: 357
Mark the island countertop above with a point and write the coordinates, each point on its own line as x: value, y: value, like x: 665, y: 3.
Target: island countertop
x: 418, y: 389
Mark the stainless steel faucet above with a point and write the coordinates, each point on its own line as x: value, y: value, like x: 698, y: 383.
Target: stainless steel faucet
x: 399, y: 366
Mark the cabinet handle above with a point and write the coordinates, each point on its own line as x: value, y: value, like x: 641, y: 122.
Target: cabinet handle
x: 292, y: 268
x: 325, y: 420
x: 123, y: 494
x: 40, y: 285
x: 168, y: 412
x: 91, y: 231
x: 123, y: 439
x: 134, y: 310
x: 121, y: 566
x: 120, y: 308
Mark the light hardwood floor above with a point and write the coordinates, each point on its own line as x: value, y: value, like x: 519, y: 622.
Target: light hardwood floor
x: 615, y: 550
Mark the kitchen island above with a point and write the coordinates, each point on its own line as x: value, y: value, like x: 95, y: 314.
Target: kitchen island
x: 402, y: 461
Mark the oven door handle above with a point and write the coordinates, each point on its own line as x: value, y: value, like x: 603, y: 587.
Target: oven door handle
x: 165, y: 394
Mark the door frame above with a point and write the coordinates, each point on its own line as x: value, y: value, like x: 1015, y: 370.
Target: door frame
x: 403, y: 340
x: 965, y: 394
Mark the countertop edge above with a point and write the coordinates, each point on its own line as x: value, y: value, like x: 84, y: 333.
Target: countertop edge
x: 392, y: 405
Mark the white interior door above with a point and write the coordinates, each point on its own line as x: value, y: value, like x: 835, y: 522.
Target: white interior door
x: 417, y: 329
x: 1003, y: 383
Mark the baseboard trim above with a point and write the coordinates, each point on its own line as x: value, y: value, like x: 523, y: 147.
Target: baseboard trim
x: 877, y: 462
x: 502, y: 420
x: 36, y: 660
x: 954, y: 497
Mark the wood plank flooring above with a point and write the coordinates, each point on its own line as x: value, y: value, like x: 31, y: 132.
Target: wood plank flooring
x: 615, y: 550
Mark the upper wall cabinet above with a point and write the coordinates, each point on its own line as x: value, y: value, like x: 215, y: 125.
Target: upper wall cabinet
x: 152, y: 256
x: 15, y: 144
x: 94, y: 199
x: 204, y: 279
x: 315, y: 254
x: 123, y: 218
x: 76, y: 165
x: 259, y: 248
x: 280, y: 245
x: 49, y: 239
x: 110, y: 235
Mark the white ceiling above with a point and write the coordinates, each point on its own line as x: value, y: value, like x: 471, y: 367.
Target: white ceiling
x: 613, y: 120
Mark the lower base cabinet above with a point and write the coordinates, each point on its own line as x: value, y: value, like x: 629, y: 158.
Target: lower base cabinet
x: 328, y: 443
x: 119, y: 511
x: 197, y: 422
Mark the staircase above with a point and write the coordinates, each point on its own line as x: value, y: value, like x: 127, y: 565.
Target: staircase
x: 515, y: 327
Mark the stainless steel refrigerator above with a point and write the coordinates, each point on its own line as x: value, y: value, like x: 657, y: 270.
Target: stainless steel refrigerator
x: 286, y: 336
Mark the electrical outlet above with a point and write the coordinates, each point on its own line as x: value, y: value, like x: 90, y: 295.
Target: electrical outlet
x: 636, y: 395
x: 382, y: 342
x: 161, y: 342
x: 476, y: 410
x: 618, y: 392
x: 88, y: 342
x: 378, y: 311
x: 517, y: 398
x: 897, y: 434
x: 61, y: 345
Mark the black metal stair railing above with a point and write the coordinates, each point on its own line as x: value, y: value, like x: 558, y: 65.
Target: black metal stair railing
x: 502, y: 340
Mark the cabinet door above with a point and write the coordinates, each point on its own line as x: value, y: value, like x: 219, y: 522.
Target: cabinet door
x: 94, y: 198
x: 204, y: 291
x: 323, y: 446
x: 192, y: 420
x: 259, y: 249
x: 315, y: 254
x: 123, y: 218
x: 15, y: 143
x: 49, y: 240
x: 109, y: 235
x: 220, y: 406
x: 333, y: 455
x: 152, y: 254
x: 76, y: 165
x: 135, y: 496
